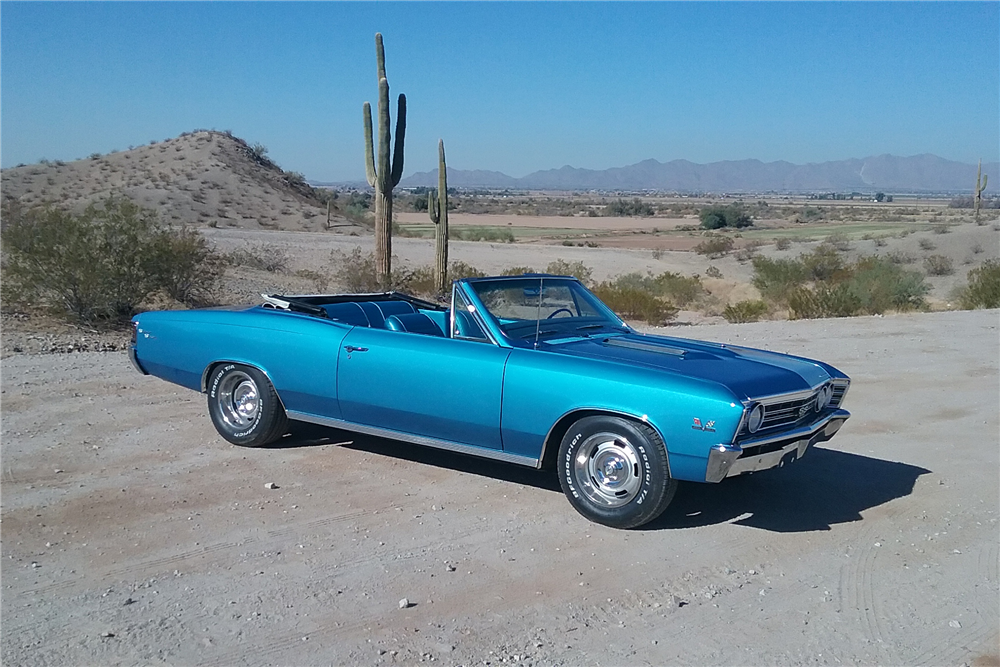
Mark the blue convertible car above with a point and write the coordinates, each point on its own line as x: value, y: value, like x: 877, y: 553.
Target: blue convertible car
x: 532, y: 370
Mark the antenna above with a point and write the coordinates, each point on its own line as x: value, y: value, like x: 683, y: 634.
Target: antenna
x: 538, y: 311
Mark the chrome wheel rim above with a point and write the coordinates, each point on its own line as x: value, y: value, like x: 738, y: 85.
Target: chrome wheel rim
x: 607, y: 465
x: 238, y: 400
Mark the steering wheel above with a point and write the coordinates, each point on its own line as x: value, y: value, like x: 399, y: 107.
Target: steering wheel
x: 560, y: 310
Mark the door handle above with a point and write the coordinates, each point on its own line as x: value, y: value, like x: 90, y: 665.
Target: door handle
x: 352, y: 348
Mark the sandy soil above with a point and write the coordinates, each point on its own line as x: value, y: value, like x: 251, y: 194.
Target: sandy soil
x: 133, y: 534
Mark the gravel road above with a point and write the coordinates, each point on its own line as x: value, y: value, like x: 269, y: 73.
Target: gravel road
x: 132, y: 533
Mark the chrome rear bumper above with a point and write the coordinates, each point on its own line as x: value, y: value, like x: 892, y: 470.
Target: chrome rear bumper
x: 771, y: 451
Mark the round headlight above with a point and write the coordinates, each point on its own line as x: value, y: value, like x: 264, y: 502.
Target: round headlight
x: 756, y: 418
x: 823, y: 398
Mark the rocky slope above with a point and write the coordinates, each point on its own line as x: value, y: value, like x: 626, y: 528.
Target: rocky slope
x: 202, y: 178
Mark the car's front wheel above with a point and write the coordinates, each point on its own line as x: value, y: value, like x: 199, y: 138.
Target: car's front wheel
x: 614, y: 471
x: 244, y: 406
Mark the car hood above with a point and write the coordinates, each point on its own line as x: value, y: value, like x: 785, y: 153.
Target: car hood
x: 747, y: 372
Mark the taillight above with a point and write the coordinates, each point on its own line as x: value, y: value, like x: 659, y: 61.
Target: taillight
x: 135, y: 331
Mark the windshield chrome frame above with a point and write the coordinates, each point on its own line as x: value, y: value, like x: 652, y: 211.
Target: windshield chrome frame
x: 491, y: 326
x: 459, y: 287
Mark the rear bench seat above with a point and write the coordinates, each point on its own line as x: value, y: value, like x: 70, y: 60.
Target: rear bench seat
x: 391, y: 315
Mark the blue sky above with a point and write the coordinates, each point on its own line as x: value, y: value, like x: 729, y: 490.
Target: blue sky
x: 512, y: 87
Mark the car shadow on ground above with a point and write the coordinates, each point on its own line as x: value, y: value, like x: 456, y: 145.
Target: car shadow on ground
x: 825, y: 487
x: 305, y: 435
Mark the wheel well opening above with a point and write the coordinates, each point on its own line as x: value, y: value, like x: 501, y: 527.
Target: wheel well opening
x: 551, y: 446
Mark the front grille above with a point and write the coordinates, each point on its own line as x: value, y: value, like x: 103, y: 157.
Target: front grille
x: 780, y: 414
x: 787, y: 413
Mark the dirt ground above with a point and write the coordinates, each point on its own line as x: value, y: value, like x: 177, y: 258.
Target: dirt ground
x: 132, y: 533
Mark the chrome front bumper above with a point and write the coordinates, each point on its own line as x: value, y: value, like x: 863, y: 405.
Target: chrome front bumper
x: 775, y: 450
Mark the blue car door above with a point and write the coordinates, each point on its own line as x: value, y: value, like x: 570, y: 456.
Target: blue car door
x: 431, y: 386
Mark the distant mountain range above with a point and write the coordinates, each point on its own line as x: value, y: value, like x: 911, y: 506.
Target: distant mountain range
x: 890, y: 173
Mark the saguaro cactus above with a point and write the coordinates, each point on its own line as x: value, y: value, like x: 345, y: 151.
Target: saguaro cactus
x: 384, y: 175
x: 980, y: 186
x: 437, y: 209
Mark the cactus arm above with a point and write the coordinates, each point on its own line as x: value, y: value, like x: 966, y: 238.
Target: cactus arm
x: 369, y: 150
x: 380, y: 56
x: 985, y: 178
x: 433, y: 210
x: 397, y: 151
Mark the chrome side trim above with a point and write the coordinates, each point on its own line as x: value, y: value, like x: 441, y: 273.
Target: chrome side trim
x: 481, y: 452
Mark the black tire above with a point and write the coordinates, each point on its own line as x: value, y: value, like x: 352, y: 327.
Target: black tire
x: 244, y: 406
x: 614, y: 471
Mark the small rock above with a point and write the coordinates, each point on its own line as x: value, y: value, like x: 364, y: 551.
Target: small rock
x: 128, y: 602
x: 58, y: 470
x: 955, y: 624
x: 449, y: 568
x: 34, y: 564
x: 751, y: 571
x: 270, y: 485
x: 404, y: 603
x: 107, y: 635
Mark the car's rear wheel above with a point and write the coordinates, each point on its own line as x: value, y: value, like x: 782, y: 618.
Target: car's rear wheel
x: 244, y: 406
x: 614, y: 471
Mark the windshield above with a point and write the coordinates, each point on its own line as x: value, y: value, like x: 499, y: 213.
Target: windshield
x: 548, y: 307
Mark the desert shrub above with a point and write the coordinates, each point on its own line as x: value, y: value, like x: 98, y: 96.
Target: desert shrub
x: 880, y: 285
x: 823, y: 262
x: 880, y: 241
x: 926, y: 244
x: 869, y: 287
x: 459, y: 270
x: 775, y: 278
x: 745, y: 311
x: 783, y: 244
x: 636, y: 304
x: 941, y: 229
x: 484, y: 234
x: 578, y: 270
x: 984, y: 286
x: 822, y: 301
x: 356, y: 271
x: 100, y: 265
x: 839, y: 241
x: 517, y: 271
x: 900, y: 257
x: 679, y: 289
x: 623, y: 209
x: 185, y: 267
x: 748, y: 251
x: 938, y: 265
x: 259, y: 256
x: 717, y: 217
x: 715, y: 246
x: 713, y: 272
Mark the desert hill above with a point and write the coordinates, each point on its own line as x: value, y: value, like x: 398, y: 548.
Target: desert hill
x: 202, y: 178
x: 890, y: 173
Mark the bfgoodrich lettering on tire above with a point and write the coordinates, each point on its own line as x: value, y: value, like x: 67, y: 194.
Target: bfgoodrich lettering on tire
x: 244, y: 406
x: 614, y: 471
